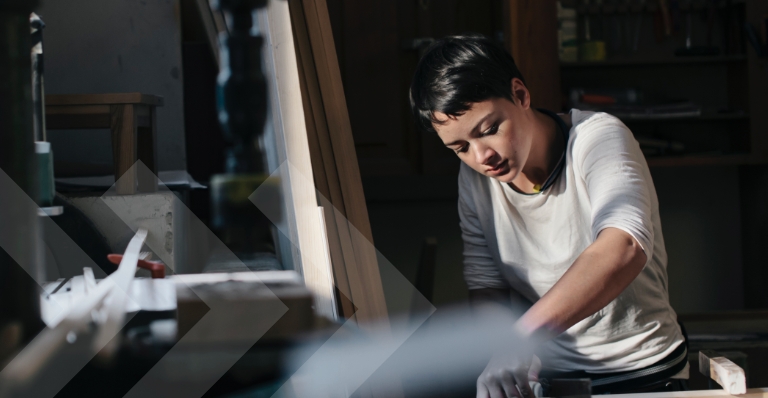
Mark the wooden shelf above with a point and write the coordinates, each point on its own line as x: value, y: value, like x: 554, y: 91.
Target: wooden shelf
x: 688, y: 60
x: 650, y: 7
x: 707, y: 117
x: 700, y: 160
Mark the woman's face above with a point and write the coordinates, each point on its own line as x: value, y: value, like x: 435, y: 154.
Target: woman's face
x: 493, y: 136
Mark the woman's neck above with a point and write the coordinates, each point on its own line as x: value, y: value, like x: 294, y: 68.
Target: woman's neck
x: 546, y: 149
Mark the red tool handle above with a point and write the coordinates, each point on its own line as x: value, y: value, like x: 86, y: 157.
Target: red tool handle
x: 156, y: 268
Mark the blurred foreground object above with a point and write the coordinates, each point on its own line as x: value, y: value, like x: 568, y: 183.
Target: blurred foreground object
x: 19, y: 308
x: 447, y: 354
x: 95, y: 320
x: 242, y: 105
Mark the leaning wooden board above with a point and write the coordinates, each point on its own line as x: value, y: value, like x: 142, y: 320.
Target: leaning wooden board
x: 305, y: 229
x: 354, y: 257
x: 321, y: 153
x: 337, y: 176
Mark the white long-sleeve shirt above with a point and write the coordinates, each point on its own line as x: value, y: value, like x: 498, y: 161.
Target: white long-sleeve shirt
x: 527, y: 242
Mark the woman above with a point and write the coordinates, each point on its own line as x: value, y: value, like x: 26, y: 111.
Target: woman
x: 557, y: 211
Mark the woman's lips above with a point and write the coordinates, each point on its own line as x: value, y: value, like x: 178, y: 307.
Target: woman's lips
x: 499, y: 169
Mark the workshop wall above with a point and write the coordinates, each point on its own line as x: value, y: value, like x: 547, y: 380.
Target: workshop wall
x: 96, y: 46
x: 701, y: 220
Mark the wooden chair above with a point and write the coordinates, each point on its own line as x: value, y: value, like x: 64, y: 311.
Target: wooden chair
x: 132, y: 119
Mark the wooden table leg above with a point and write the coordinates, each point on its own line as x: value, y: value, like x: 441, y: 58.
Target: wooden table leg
x: 124, y: 147
x: 147, y: 138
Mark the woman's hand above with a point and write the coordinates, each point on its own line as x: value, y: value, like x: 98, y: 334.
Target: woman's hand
x: 509, y: 376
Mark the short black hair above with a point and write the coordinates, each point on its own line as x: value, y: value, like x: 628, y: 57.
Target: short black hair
x: 456, y: 72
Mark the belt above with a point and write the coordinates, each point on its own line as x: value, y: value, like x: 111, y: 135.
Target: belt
x: 616, y: 382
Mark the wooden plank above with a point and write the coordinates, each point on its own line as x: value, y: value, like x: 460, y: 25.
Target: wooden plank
x: 351, y: 216
x: 336, y: 251
x: 531, y: 37
x: 319, y: 163
x: 124, y: 148
x: 326, y: 177
x: 347, y: 263
x: 103, y: 99
x: 290, y: 113
x: 364, y: 278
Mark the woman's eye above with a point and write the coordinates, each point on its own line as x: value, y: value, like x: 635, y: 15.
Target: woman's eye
x: 491, y: 130
x: 462, y: 149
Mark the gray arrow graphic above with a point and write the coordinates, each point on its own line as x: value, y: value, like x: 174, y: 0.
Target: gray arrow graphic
x: 70, y: 358
x: 190, y: 368
x: 349, y: 379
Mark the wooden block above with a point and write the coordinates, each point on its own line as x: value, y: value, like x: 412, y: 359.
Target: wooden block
x: 726, y: 373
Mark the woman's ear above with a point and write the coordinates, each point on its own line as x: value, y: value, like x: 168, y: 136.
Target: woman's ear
x: 520, y: 93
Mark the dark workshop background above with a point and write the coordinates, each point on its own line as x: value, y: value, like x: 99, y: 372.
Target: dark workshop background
x: 713, y: 211
x: 713, y: 194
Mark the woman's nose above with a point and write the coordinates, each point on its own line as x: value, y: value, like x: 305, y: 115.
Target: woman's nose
x: 483, y: 153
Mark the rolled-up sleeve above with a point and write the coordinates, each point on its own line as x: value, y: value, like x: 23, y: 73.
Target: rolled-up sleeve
x: 480, y: 269
x: 617, y: 180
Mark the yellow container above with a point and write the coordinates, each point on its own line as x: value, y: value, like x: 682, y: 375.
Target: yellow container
x: 593, y: 51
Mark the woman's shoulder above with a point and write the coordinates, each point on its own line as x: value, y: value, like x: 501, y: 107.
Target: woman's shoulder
x: 582, y: 121
x: 599, y: 135
x: 590, y: 128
